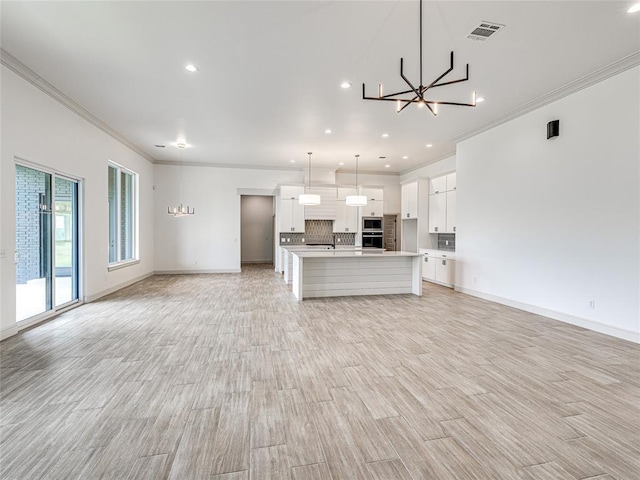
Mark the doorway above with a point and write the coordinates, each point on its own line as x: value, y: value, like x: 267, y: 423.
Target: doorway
x: 257, y: 215
x: 391, y: 234
x: 47, y: 260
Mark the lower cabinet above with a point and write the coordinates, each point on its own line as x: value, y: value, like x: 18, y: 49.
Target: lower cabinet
x: 438, y: 268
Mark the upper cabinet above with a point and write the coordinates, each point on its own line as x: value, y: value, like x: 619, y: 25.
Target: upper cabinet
x: 409, y: 194
x: 442, y: 204
x: 441, y: 184
x: 374, y: 206
x: 291, y: 214
x: 327, y: 208
x: 346, y: 216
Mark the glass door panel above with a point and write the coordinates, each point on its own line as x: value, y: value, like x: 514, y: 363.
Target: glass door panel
x: 33, y: 242
x: 66, y: 241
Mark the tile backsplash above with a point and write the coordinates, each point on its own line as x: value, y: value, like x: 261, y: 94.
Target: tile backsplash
x: 447, y: 241
x: 317, y: 231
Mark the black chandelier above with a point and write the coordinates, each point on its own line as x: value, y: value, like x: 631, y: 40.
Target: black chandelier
x: 416, y: 94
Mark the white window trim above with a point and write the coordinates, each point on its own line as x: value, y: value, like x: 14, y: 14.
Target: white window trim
x: 136, y: 256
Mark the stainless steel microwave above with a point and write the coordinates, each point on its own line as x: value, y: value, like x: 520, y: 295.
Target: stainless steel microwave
x: 371, y: 224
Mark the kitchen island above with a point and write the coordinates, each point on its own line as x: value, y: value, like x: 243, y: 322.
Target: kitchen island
x: 335, y: 273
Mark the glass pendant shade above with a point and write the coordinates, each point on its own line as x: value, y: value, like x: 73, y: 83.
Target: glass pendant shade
x: 309, y: 199
x: 356, y: 200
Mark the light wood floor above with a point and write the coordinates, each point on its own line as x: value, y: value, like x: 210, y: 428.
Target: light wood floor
x: 227, y: 377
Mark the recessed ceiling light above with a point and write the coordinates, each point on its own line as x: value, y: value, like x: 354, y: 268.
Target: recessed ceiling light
x: 191, y: 68
x: 345, y: 84
x: 292, y: 161
x: 328, y: 131
x: 429, y: 145
x: 387, y: 166
x: 479, y: 99
x: 341, y: 163
x: 405, y: 157
x: 634, y: 8
x: 385, y: 135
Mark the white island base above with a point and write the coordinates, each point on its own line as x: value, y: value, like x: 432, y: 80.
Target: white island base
x: 337, y: 274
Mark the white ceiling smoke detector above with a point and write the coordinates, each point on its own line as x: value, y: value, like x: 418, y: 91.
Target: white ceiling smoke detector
x: 485, y: 30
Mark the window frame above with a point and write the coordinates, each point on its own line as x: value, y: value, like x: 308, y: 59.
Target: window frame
x: 119, y: 262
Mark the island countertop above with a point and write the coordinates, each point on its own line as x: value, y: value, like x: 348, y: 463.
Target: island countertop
x: 352, y: 253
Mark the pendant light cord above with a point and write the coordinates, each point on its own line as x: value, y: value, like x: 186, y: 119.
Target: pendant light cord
x: 357, y: 173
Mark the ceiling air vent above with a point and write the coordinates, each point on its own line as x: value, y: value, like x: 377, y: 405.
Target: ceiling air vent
x: 484, y: 31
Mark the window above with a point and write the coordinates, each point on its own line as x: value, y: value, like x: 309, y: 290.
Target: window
x: 122, y: 214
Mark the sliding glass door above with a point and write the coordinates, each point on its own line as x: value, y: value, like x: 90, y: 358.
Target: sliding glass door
x: 46, y: 242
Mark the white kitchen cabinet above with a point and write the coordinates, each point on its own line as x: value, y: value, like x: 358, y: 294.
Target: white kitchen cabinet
x: 374, y: 206
x: 445, y: 271
x: 451, y: 181
x: 409, y: 196
x: 372, y: 194
x: 438, y: 266
x: 429, y: 267
x: 346, y: 218
x: 291, y: 212
x: 438, y: 212
x: 442, y: 205
x: 327, y: 208
x: 438, y: 185
x: 450, y: 224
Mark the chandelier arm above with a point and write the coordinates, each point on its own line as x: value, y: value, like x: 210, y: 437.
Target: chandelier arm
x: 387, y: 96
x: 454, y: 103
x: 441, y: 76
x: 406, y: 104
x: 450, y: 82
x: 431, y: 109
x: 415, y: 90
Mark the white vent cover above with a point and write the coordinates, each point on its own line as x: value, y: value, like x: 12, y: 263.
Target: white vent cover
x: 484, y: 31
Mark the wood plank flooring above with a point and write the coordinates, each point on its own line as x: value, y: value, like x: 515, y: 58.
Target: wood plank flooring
x: 228, y: 377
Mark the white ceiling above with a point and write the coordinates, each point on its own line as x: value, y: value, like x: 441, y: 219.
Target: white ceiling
x: 270, y: 72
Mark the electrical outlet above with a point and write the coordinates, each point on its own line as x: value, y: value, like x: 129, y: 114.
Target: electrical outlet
x: 3, y: 253
x: 592, y: 304
x: 288, y: 240
x: 446, y: 242
x: 303, y: 240
x: 338, y: 240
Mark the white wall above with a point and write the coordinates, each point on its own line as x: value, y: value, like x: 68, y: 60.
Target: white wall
x: 256, y: 228
x: 39, y: 129
x: 208, y: 241
x: 548, y: 225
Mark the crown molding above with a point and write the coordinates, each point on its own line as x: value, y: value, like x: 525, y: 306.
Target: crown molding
x: 439, y: 158
x: 177, y: 163
x: 619, y: 66
x: 41, y: 84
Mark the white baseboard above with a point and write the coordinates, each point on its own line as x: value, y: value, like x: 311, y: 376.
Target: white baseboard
x: 562, y: 317
x: 188, y: 272
x: 8, y: 331
x: 108, y: 291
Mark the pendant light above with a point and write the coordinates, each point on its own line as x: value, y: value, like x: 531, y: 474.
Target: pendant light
x: 180, y: 210
x: 309, y: 198
x: 356, y: 200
